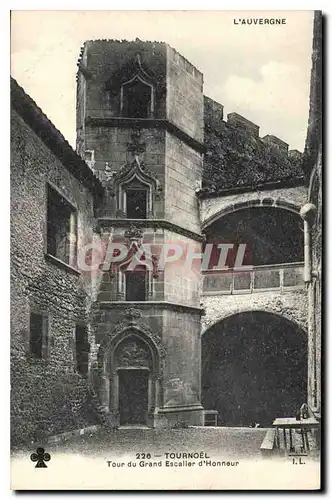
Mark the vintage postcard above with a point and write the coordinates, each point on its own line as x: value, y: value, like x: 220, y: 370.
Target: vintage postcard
x: 166, y: 242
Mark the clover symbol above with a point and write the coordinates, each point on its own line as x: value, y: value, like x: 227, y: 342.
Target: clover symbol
x: 40, y: 457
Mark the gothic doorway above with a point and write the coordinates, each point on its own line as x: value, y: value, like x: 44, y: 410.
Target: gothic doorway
x: 133, y: 396
x: 132, y: 382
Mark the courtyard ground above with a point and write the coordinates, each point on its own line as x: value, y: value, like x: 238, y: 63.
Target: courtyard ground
x: 219, y: 440
x: 231, y: 442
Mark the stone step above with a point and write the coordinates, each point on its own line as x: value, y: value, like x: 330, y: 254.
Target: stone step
x: 106, y: 287
x: 105, y: 296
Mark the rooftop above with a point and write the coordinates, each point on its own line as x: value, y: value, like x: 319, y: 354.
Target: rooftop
x: 26, y: 107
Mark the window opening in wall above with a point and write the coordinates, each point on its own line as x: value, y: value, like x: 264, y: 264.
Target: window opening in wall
x: 82, y: 349
x: 61, y: 227
x: 89, y: 157
x: 38, y: 335
x: 137, y: 99
x: 136, y: 203
x: 136, y: 285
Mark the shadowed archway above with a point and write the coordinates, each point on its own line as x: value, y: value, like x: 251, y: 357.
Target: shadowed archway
x: 254, y: 368
x: 272, y: 235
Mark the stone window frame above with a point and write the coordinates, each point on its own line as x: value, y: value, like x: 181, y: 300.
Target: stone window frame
x: 91, y: 163
x: 127, y: 176
x: 121, y: 284
x: 130, y: 185
x: 45, y: 336
x: 70, y: 266
x: 138, y: 77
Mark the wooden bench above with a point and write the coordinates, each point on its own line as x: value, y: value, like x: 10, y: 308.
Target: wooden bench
x: 268, y: 442
x: 211, y: 418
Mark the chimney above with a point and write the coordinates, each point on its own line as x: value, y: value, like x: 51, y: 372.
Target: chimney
x: 240, y: 122
x: 275, y: 141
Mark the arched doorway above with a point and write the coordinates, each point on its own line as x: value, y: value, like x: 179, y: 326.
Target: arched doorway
x: 133, y: 364
x: 254, y: 368
x: 129, y: 368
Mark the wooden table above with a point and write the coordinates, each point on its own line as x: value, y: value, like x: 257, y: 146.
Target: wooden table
x: 291, y: 423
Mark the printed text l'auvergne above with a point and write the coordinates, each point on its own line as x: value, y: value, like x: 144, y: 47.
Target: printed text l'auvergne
x: 247, y: 21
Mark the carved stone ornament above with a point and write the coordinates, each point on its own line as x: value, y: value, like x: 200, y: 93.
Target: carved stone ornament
x: 133, y: 234
x: 132, y: 315
x: 135, y: 170
x: 136, y: 147
x: 127, y: 327
x: 133, y: 352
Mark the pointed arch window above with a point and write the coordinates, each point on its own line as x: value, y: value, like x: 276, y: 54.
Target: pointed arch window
x: 137, y: 98
x: 136, y: 199
x: 136, y: 190
x: 136, y: 285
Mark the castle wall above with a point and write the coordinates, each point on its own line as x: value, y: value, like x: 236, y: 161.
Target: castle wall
x: 176, y: 333
x: 181, y: 335
x: 212, y: 208
x: 81, y: 112
x: 182, y: 277
x: 292, y: 305
x: 47, y: 394
x: 110, y: 144
x: 183, y: 175
x: 184, y: 95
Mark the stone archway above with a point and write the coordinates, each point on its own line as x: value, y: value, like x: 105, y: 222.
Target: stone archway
x: 129, y: 366
x: 132, y: 388
x: 254, y: 368
x: 291, y: 199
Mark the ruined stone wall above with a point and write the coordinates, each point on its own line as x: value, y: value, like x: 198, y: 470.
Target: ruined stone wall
x: 48, y: 396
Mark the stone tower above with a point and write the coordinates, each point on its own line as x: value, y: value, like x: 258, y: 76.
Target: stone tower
x: 140, y: 127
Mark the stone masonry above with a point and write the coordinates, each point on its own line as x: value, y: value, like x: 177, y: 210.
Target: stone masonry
x: 145, y: 131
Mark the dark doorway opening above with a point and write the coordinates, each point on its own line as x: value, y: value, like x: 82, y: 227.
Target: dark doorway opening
x: 254, y: 369
x: 133, y: 396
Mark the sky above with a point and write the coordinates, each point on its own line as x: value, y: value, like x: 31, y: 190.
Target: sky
x: 259, y: 71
